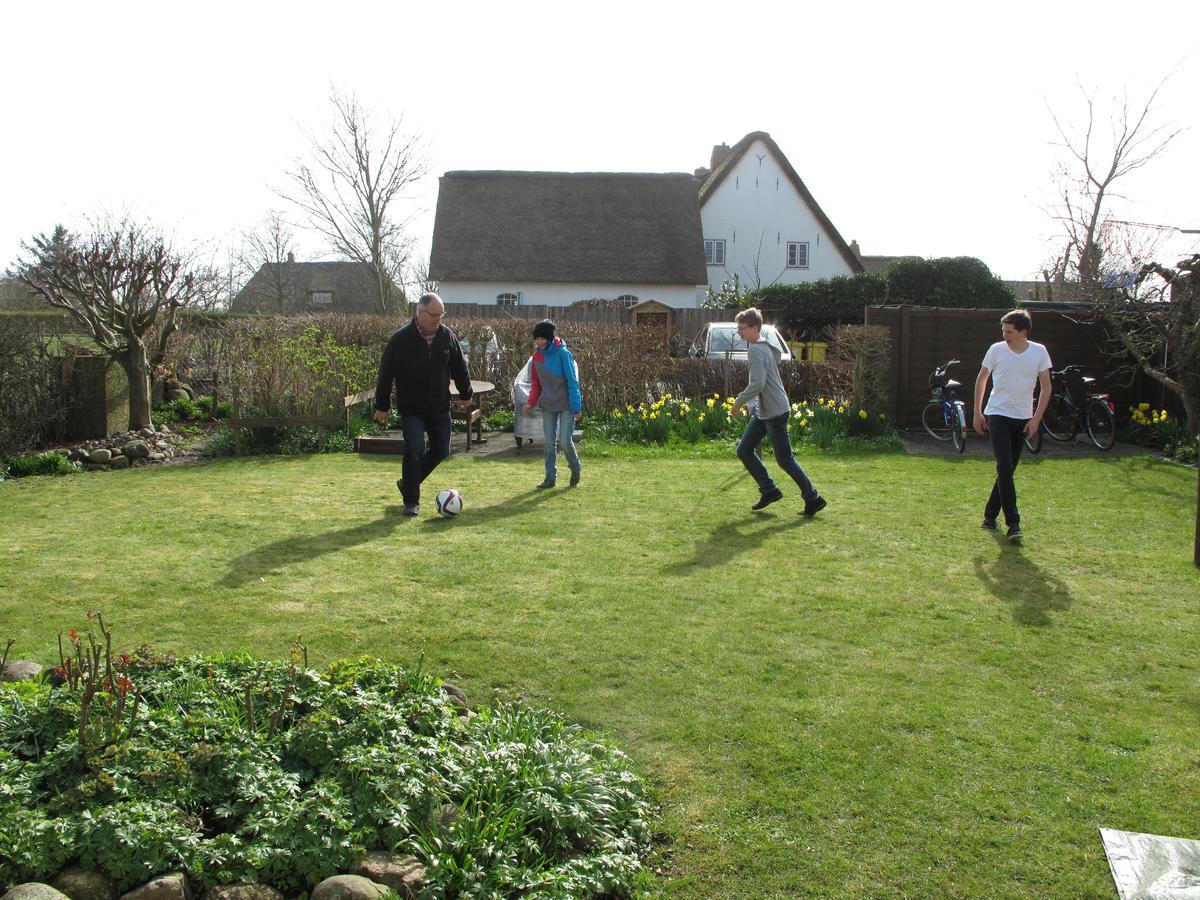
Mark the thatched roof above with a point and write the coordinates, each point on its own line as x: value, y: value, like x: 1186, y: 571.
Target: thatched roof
x: 352, y: 287
x: 726, y: 165
x: 594, y: 227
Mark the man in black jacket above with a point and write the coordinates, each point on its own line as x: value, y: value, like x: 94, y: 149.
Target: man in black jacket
x: 420, y: 359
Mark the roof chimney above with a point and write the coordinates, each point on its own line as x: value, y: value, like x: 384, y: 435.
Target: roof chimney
x: 701, y: 173
x: 718, y: 155
x: 291, y: 256
x: 854, y: 248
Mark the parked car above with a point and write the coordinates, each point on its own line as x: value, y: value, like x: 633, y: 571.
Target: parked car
x: 718, y: 340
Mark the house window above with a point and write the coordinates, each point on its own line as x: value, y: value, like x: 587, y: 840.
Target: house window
x: 797, y: 255
x: 506, y: 299
x: 320, y: 298
x: 714, y: 253
x: 628, y: 299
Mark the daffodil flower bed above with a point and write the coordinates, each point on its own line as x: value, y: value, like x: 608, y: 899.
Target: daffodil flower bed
x: 825, y: 423
x: 1157, y: 428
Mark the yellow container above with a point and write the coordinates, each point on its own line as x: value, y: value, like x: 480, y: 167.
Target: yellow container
x: 809, y: 351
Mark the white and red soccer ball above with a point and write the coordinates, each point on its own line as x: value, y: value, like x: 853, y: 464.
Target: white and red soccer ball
x: 448, y: 502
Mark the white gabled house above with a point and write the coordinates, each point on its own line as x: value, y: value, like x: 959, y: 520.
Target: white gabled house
x: 555, y: 238
x: 761, y: 223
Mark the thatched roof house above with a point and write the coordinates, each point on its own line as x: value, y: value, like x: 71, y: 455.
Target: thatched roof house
x: 559, y: 237
x: 291, y: 287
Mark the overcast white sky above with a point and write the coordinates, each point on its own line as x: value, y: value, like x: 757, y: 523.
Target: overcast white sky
x: 920, y: 128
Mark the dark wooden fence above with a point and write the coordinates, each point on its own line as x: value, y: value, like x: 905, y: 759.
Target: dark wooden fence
x: 925, y: 337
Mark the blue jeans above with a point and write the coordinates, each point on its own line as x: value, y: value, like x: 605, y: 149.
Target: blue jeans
x: 419, y: 461
x: 1008, y: 437
x: 747, y: 453
x: 555, y: 425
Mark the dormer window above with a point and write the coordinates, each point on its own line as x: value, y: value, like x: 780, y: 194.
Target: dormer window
x: 320, y: 298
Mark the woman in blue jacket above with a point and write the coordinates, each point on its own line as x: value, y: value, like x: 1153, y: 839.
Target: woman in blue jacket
x: 556, y: 393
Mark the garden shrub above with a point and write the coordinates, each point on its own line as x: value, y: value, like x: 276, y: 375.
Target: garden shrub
x: 959, y: 282
x: 808, y: 309
x: 51, y: 463
x: 234, y: 769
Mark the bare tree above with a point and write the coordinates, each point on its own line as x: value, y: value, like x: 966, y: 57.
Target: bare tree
x: 267, y: 258
x: 1092, y: 242
x: 419, y: 278
x: 124, y: 285
x: 351, y: 187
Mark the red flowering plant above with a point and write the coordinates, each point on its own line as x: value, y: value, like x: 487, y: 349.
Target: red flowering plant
x: 102, y: 682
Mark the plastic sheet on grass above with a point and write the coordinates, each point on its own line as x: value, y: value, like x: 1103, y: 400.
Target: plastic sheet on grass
x: 1151, y: 866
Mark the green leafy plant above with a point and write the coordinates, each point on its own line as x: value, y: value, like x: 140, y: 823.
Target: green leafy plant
x: 272, y: 772
x: 41, y: 464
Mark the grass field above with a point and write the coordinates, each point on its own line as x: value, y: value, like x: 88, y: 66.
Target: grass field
x: 885, y: 701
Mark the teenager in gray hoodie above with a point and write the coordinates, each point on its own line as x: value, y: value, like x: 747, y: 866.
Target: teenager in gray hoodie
x: 769, y: 409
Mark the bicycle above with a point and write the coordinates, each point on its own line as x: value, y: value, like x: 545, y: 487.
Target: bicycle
x: 945, y: 416
x: 1072, y: 405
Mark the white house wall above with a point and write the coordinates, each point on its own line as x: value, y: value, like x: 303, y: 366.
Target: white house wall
x: 756, y: 210
x: 562, y: 294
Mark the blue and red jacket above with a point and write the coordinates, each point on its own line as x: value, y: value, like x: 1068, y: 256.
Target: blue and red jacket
x: 555, y: 384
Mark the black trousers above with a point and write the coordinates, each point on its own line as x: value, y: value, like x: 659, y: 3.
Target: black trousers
x: 1008, y: 437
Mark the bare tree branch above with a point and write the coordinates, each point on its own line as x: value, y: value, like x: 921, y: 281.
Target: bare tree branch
x: 352, y: 186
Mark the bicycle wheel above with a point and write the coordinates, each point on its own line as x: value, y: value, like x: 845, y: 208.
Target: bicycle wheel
x: 1061, y: 420
x: 1101, y: 427
x: 934, y: 421
x: 1034, y: 444
x: 958, y: 427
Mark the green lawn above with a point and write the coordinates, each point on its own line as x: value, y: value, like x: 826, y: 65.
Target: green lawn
x: 885, y: 701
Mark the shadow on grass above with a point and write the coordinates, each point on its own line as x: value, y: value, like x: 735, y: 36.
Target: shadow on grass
x: 740, y: 536
x: 1031, y: 591
x: 270, y: 558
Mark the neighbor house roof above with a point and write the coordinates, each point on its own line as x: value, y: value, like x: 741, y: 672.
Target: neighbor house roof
x: 593, y: 227
x: 351, y: 285
x: 878, y: 265
x: 726, y: 165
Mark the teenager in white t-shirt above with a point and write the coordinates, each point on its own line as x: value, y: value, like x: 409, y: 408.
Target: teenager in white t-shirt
x: 1014, y: 365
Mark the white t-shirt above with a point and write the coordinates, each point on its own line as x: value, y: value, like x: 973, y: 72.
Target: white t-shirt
x: 1014, y: 376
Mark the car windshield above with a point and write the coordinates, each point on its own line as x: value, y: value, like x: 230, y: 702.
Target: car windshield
x: 724, y: 339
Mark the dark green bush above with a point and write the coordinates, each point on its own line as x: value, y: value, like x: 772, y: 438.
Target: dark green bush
x: 961, y: 282
x: 41, y: 464
x: 808, y: 309
x: 285, y: 441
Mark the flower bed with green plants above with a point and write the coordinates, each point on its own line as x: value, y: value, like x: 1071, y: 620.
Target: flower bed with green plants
x: 233, y: 769
x: 825, y: 423
x: 1157, y: 429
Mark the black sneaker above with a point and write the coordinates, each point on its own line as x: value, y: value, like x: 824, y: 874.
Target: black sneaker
x: 1014, y: 534
x: 768, y: 498
x: 548, y: 483
x: 412, y: 509
x: 575, y: 478
x: 988, y: 524
x: 814, y: 506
